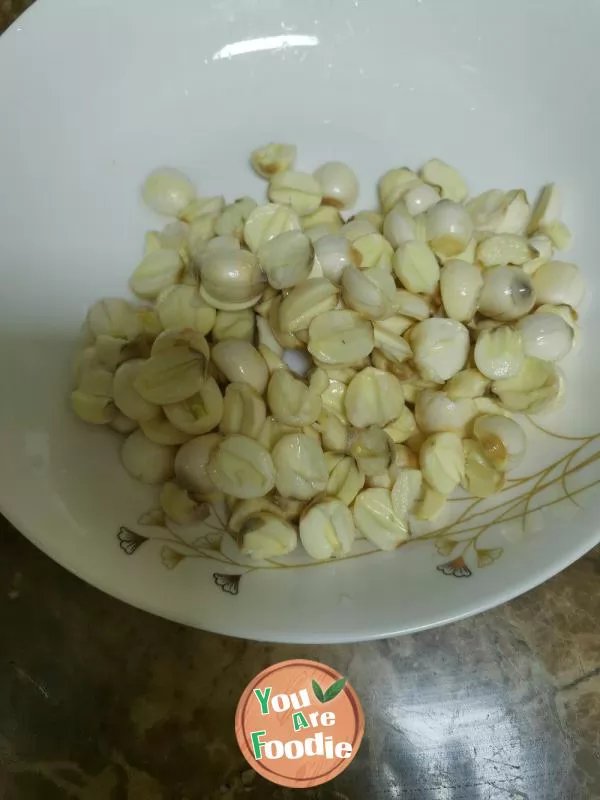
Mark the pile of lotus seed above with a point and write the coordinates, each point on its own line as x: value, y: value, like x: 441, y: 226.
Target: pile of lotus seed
x: 323, y: 376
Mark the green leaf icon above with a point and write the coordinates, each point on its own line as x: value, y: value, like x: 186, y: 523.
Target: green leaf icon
x: 335, y: 689
x: 318, y: 692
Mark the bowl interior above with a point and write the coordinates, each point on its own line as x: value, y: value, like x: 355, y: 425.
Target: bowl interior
x: 95, y: 97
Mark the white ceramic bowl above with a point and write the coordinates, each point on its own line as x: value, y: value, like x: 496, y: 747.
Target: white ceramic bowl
x: 94, y: 95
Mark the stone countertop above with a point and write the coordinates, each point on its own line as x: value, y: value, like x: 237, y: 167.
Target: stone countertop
x: 99, y: 701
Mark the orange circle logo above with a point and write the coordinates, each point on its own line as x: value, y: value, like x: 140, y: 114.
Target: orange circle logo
x: 299, y: 723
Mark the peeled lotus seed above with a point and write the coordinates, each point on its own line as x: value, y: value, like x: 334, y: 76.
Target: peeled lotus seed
x: 370, y: 291
x: 468, y: 254
x: 559, y: 283
x: 240, y: 361
x: 338, y: 183
x: 272, y: 431
x: 149, y: 321
x: 373, y: 250
x: 199, y: 413
x: 266, y: 337
x: 345, y: 480
x: 416, y: 267
x: 94, y: 378
x: 388, y: 338
x: 200, y: 231
x: 300, y: 468
x: 326, y: 217
x: 340, y: 338
x: 306, y: 301
x: 435, y: 412
x: 235, y: 325
x: 114, y: 317
x: 547, y: 336
x: 244, y: 411
x: 373, y: 397
x: 233, y: 218
x: 299, y: 190
x: 273, y: 158
x: 177, y: 504
x: 334, y: 434
x: 402, y: 428
x: 460, y: 287
x: 124, y: 425
x: 507, y: 294
x: 469, y: 383
x: 191, y: 464
x: 411, y: 305
x: 394, y: 185
x: 547, y: 208
x: 90, y: 408
x: 327, y: 530
x: 127, y: 398
x: 442, y: 461
x: 440, y: 348
x: 333, y: 254
x: 168, y: 191
x: 513, y: 214
x: 406, y: 491
x: 332, y: 399
x: 374, y: 516
x: 538, y: 387
x: 420, y: 198
x: 481, y: 478
x: 399, y: 227
x: 244, y: 509
x: 267, y: 221
x: 181, y: 307
x: 370, y: 449
x: 502, y: 440
x: 155, y: 272
x: 341, y: 374
x: 112, y: 351
x: 286, y: 259
x: 222, y: 242
x: 160, y: 430
x: 241, y: 467
x: 286, y: 340
x: 180, y: 338
x: 484, y: 209
x: 438, y: 173
x: 355, y: 229
x: 291, y: 401
x: 542, y: 247
x: 499, y: 353
x: 449, y: 228
x: 265, y: 535
x: 199, y: 206
x: 431, y: 504
x: 504, y: 248
x: 373, y: 217
x: 171, y: 375
x: 231, y: 279
x: 147, y: 461
x: 558, y: 233
x: 174, y: 236
x: 272, y: 360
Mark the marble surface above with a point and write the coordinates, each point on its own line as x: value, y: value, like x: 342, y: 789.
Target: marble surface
x: 99, y: 701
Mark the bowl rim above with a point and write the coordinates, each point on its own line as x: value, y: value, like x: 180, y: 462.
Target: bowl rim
x: 493, y: 600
